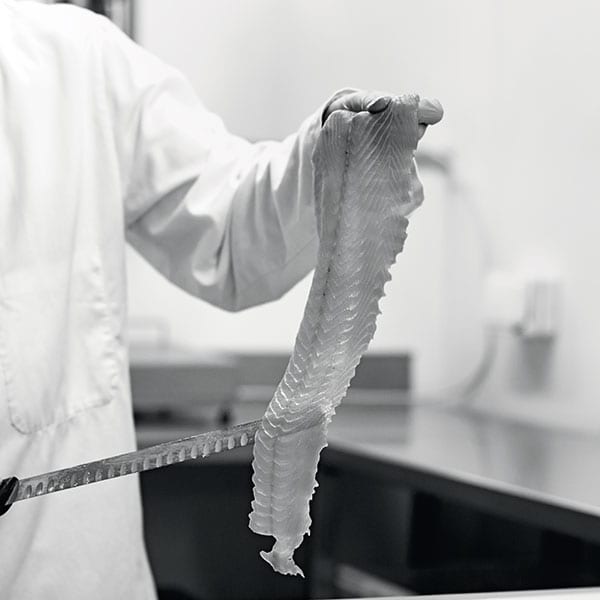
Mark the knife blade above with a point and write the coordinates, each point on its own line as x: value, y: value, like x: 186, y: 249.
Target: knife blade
x: 153, y: 457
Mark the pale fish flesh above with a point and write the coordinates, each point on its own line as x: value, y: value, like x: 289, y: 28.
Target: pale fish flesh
x: 365, y: 185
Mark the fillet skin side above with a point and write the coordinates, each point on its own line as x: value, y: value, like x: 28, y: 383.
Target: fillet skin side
x: 365, y: 185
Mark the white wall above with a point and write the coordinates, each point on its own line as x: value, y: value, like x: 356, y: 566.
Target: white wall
x: 543, y: 157
x: 519, y: 83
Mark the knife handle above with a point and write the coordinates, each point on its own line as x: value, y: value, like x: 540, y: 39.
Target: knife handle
x: 7, y: 489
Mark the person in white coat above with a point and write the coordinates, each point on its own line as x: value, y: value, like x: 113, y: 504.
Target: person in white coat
x: 102, y: 143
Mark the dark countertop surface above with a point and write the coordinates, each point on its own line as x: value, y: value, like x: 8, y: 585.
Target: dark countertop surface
x: 464, y: 450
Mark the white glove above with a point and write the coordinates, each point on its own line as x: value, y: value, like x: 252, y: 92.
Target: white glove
x: 430, y: 112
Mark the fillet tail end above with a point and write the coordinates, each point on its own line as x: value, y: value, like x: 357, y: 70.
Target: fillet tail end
x: 281, y: 559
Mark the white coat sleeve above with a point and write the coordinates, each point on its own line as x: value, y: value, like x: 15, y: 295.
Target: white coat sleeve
x: 226, y: 220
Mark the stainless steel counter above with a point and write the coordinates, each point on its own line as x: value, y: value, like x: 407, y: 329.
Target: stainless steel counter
x: 538, y: 474
x: 545, y: 464
x: 531, y: 475
x: 483, y: 460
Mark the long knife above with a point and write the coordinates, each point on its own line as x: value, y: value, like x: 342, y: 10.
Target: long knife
x: 153, y: 457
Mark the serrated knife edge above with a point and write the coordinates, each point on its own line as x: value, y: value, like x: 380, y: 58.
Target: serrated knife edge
x: 153, y: 457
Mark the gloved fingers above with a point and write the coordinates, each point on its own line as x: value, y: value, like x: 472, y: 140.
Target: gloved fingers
x: 358, y: 101
x: 429, y: 111
x: 7, y: 487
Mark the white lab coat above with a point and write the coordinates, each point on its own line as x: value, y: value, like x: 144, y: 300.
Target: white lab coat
x: 99, y: 142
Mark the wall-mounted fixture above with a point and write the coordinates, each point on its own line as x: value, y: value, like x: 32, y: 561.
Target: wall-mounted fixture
x: 525, y: 301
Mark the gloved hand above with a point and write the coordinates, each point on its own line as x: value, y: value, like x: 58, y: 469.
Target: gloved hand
x: 7, y: 486
x: 429, y: 112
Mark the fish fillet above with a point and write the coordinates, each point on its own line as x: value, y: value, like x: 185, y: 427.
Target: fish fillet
x: 365, y: 184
